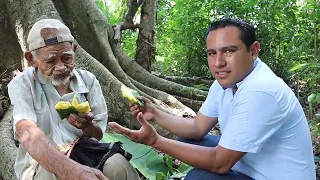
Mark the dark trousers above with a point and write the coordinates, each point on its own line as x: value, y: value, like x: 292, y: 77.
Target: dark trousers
x: 200, y: 174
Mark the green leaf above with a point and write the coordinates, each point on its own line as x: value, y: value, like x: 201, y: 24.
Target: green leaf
x: 250, y: 3
x: 177, y: 175
x: 311, y: 97
x: 160, y: 176
x: 317, y: 99
x: 316, y: 158
x: 299, y: 66
x: 168, y: 160
x: 103, y: 8
x: 144, y: 158
x: 184, y: 168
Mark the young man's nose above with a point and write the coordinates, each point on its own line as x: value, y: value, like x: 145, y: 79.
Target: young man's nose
x: 220, y: 61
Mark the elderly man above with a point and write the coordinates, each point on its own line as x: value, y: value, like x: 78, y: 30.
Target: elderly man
x: 43, y: 136
x: 265, y: 134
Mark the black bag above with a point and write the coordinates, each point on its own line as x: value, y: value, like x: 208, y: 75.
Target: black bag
x: 90, y: 152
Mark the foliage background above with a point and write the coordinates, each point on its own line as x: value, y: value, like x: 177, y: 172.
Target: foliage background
x: 285, y: 29
x: 288, y: 31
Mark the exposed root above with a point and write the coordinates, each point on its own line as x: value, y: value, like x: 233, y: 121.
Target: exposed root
x: 139, y: 74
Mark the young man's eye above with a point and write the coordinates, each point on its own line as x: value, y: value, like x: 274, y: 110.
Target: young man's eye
x: 211, y: 53
x: 229, y: 51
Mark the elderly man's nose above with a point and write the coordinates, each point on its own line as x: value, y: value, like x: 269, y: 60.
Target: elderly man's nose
x: 60, y: 67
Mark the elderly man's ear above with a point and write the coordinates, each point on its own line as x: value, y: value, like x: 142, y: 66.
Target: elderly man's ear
x: 75, y: 47
x: 30, y: 59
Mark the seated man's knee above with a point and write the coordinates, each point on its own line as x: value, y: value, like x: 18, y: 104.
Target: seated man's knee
x: 118, y: 167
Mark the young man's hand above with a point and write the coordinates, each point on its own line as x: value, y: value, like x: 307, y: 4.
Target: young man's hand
x: 147, y: 134
x: 148, y: 109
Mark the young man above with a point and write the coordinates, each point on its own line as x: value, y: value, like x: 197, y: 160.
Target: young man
x: 265, y: 134
x: 37, y: 126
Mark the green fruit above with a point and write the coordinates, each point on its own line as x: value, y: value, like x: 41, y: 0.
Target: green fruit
x: 131, y: 95
x: 64, y: 113
x: 65, y: 108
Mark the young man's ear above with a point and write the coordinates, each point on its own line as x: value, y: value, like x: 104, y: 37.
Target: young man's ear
x: 30, y: 59
x: 254, y: 49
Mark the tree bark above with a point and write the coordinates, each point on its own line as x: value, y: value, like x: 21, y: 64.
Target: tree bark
x: 7, y: 147
x: 145, y: 44
x: 188, y: 81
x: 11, y: 56
x: 97, y: 53
x: 128, y: 23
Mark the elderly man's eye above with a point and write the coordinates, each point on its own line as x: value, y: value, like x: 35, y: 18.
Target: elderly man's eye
x: 50, y: 61
x: 66, y: 59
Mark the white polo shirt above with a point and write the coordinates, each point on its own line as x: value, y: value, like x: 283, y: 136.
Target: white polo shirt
x: 34, y: 98
x: 264, y: 119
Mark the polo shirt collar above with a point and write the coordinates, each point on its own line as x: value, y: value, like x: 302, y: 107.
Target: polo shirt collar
x: 77, y: 84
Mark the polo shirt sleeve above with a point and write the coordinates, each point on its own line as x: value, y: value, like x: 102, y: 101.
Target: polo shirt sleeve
x: 256, y: 116
x: 98, y: 105
x: 22, y: 101
x: 210, y: 106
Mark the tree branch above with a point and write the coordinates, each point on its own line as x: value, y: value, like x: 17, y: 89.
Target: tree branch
x: 133, y: 6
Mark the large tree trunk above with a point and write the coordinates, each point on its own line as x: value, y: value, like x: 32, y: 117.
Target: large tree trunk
x: 97, y: 53
x: 7, y: 147
x: 11, y: 55
x: 145, y: 44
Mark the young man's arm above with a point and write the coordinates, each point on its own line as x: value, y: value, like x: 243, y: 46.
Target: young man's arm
x: 187, y: 128
x: 48, y: 156
x: 215, y: 159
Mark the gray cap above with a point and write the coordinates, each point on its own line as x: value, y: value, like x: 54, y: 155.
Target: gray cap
x: 46, y: 32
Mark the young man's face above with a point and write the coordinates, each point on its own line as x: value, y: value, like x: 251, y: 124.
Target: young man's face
x: 228, y: 58
x: 56, y: 62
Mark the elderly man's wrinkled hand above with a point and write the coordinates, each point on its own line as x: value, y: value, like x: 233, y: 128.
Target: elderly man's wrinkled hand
x: 82, y: 172
x: 147, y: 134
x: 81, y: 120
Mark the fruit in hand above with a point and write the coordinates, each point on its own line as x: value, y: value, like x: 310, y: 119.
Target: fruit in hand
x: 65, y: 108
x: 131, y: 94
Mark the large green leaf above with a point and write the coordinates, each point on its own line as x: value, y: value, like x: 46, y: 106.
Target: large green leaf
x: 298, y: 66
x: 311, y: 97
x: 144, y: 158
x: 250, y: 3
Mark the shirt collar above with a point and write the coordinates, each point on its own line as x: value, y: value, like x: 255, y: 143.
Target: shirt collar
x: 77, y: 84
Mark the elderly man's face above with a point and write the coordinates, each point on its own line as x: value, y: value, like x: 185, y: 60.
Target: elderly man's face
x: 56, y: 62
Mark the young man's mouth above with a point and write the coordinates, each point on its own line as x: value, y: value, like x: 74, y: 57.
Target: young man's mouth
x: 222, y: 74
